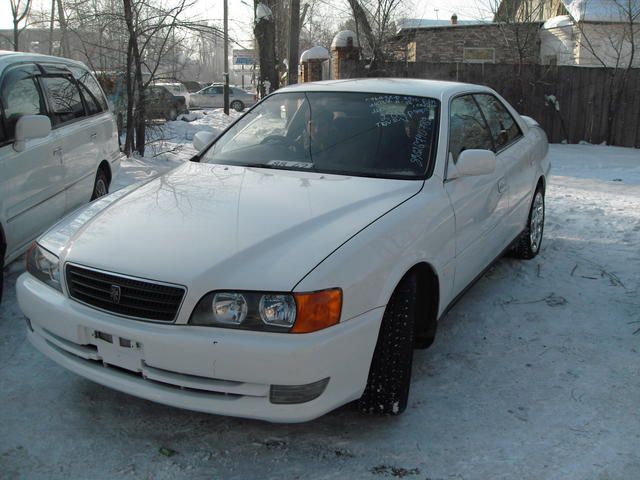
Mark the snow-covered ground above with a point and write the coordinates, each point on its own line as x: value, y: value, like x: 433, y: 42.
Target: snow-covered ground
x: 535, y: 374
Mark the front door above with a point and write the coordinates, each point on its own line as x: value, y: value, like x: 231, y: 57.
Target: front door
x: 33, y: 187
x: 479, y: 202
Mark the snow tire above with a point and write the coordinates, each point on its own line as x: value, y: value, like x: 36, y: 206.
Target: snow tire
x: 387, y: 390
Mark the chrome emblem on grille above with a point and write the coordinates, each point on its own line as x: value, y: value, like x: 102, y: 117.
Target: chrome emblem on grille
x: 115, y: 294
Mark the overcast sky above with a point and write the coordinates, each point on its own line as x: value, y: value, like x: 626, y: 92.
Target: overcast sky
x: 241, y: 12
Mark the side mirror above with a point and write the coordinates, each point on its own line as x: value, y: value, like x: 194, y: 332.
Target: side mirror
x: 202, y: 139
x: 30, y: 127
x: 476, y: 162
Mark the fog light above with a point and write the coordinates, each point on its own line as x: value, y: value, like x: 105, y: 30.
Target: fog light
x: 288, y: 394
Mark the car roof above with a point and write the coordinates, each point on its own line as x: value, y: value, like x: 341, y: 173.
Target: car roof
x: 390, y: 86
x: 8, y: 57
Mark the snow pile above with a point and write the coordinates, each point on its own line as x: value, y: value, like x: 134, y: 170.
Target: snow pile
x: 171, y: 145
x: 314, y: 53
x: 558, y: 22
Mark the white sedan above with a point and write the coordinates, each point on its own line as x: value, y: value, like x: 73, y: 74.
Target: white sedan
x: 213, y: 97
x: 296, y: 264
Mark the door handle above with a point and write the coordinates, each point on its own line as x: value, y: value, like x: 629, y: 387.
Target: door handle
x: 57, y: 152
x: 93, y: 136
x: 502, y: 186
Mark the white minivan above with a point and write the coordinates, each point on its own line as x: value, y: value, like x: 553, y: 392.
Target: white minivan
x: 58, y: 145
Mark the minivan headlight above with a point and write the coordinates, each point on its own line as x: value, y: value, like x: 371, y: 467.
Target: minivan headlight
x: 269, y: 311
x: 44, y: 265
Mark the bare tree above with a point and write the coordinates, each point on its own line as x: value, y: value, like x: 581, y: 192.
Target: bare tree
x: 19, y: 11
x: 519, y: 23
x: 375, y: 19
x: 265, y: 33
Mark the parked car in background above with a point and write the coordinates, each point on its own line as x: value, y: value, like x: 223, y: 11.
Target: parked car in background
x: 58, y: 145
x: 213, y: 97
x: 327, y: 231
x: 177, y: 89
x: 162, y: 103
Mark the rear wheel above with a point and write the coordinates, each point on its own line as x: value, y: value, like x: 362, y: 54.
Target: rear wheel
x: 528, y: 243
x: 387, y: 390
x: 101, y: 185
x: 237, y: 105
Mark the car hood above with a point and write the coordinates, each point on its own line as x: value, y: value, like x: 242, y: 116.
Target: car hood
x: 214, y: 226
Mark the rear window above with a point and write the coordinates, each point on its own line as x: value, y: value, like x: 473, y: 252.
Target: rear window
x: 365, y: 134
x: 91, y: 91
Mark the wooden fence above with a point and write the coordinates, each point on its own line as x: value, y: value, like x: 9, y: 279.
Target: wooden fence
x: 582, y: 95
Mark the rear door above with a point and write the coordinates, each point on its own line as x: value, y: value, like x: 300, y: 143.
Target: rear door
x: 78, y: 136
x: 101, y: 135
x: 31, y: 181
x: 479, y: 202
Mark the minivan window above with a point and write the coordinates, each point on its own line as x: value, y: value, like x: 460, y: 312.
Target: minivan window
x: 20, y: 96
x: 64, y: 98
x: 91, y: 91
x: 349, y: 133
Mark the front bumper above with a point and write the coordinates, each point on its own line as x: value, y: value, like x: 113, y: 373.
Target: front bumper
x: 204, y: 369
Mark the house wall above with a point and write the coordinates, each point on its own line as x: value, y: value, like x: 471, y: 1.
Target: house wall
x: 606, y: 43
x: 589, y: 44
x: 510, y: 43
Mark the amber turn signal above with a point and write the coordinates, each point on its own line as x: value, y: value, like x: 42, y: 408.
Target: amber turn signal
x: 317, y: 310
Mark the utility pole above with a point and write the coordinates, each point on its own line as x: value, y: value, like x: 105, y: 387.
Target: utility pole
x: 294, y: 41
x: 226, y: 57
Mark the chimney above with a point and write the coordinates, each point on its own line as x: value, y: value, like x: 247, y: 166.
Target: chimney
x: 454, y: 19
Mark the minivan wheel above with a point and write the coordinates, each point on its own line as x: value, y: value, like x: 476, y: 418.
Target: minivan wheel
x: 387, y: 390
x: 101, y: 185
x: 528, y: 243
x: 237, y: 105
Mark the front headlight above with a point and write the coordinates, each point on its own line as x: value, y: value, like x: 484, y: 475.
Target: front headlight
x: 44, y: 265
x: 269, y: 311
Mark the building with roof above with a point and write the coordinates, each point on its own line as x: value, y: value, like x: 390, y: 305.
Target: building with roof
x: 437, y: 41
x: 588, y: 33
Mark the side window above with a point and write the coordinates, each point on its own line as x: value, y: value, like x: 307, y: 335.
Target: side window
x: 503, y: 127
x: 64, y: 99
x: 91, y: 91
x: 216, y: 91
x: 467, y: 127
x: 20, y: 96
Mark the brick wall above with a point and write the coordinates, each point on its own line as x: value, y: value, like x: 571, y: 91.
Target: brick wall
x: 447, y: 44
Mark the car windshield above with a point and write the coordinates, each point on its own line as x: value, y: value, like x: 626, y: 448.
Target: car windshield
x: 365, y: 134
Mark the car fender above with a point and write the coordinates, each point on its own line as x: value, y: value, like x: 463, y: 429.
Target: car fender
x: 369, y: 265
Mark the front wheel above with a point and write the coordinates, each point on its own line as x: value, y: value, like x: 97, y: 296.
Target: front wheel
x: 387, y: 390
x: 237, y: 105
x: 528, y: 243
x: 101, y: 185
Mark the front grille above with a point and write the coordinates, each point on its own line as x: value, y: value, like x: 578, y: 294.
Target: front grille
x: 123, y: 295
